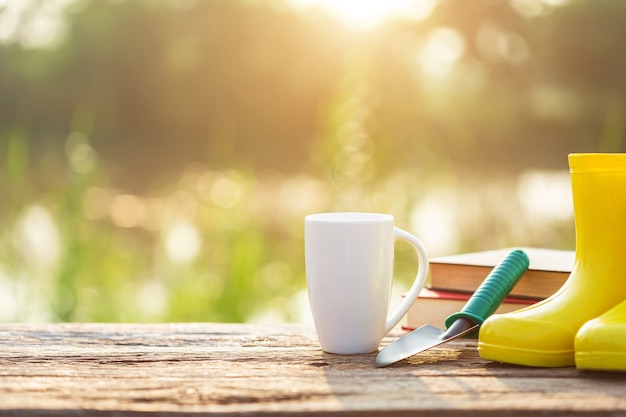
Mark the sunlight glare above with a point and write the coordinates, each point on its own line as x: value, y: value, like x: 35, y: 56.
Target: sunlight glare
x: 363, y: 15
x: 183, y: 242
x: 443, y: 49
x: 536, y: 8
x: 436, y: 218
x: 546, y: 195
x: 34, y: 24
x: 38, y: 237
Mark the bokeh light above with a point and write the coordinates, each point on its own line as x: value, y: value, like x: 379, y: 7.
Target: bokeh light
x: 158, y: 157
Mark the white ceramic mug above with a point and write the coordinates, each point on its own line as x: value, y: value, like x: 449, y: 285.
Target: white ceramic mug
x: 349, y: 273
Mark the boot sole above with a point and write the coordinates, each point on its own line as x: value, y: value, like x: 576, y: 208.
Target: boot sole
x: 601, y: 361
x: 527, y: 357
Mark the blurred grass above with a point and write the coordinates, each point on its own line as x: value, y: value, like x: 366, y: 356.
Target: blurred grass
x: 227, y: 245
x: 157, y: 158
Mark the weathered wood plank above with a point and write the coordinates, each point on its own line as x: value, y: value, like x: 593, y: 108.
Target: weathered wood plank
x: 223, y: 369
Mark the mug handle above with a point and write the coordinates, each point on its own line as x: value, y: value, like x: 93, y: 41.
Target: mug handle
x: 418, y: 283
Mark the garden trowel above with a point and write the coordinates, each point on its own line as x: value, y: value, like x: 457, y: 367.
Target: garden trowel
x: 484, y: 301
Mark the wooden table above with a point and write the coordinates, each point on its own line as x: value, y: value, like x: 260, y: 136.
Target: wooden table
x: 229, y: 369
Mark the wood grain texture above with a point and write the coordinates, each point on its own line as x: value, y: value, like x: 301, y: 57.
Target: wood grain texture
x: 232, y: 369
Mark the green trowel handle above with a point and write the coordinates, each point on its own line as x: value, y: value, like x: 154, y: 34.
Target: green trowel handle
x: 494, y: 289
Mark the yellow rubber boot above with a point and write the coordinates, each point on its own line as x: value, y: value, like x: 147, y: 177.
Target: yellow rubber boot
x: 601, y: 343
x: 543, y: 334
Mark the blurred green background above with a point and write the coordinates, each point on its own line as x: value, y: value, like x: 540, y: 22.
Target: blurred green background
x: 157, y: 157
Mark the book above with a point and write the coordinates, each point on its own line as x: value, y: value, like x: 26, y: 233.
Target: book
x: 547, y: 272
x: 433, y: 306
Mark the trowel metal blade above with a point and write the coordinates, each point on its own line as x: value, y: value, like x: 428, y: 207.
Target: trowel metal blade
x: 417, y: 341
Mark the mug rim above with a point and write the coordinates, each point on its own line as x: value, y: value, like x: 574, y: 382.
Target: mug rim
x: 349, y: 217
